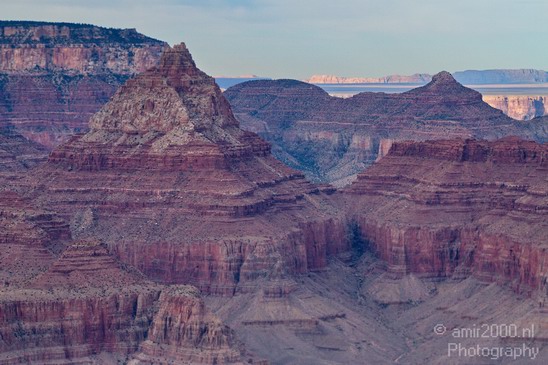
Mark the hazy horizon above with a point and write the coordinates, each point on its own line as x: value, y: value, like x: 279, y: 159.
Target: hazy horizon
x: 355, y: 38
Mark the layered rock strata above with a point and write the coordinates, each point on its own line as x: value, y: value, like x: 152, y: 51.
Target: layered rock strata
x: 17, y: 153
x: 30, y: 239
x: 87, y: 306
x: 331, y: 139
x: 169, y: 182
x: 184, y: 331
x: 520, y: 107
x: 55, y: 76
x: 452, y: 208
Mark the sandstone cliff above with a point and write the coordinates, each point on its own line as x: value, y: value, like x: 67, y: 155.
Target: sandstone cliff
x: 71, y: 70
x: 520, y: 107
x: 331, y: 139
x: 458, y: 208
x: 88, y: 308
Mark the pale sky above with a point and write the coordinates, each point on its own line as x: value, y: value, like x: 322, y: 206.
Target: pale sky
x: 298, y: 38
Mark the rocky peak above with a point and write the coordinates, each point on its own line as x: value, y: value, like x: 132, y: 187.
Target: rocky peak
x: 174, y: 97
x: 443, y: 76
x: 170, y: 117
x: 444, y: 85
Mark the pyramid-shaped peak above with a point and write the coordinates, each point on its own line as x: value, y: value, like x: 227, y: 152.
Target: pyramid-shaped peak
x: 444, y: 85
x: 162, y: 115
x: 174, y: 94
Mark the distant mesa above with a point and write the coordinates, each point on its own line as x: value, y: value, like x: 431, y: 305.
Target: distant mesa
x: 469, y: 77
x: 225, y: 82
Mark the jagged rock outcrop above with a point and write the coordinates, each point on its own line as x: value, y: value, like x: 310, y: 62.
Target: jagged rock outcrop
x: 184, y: 331
x: 71, y: 70
x: 87, y: 305
x: 520, y: 107
x: 331, y: 139
x: 454, y: 208
x: 169, y: 182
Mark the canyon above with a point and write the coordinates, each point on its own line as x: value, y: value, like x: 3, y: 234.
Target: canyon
x: 331, y: 139
x: 164, y: 233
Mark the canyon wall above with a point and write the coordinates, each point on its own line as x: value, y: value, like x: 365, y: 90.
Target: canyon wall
x: 520, y: 107
x: 54, y: 76
x: 88, y: 308
x: 458, y: 208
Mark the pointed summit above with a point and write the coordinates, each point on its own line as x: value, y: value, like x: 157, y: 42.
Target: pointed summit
x: 444, y: 86
x: 177, y: 59
x: 174, y: 94
x: 171, y: 116
x: 443, y: 77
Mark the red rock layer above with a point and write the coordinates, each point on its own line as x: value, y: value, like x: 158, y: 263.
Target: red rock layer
x: 451, y: 208
x: 331, y: 139
x: 184, y: 331
x: 83, y: 48
x: 18, y: 153
x: 82, y: 305
x: 169, y: 182
x: 87, y: 303
x: 55, y: 76
x: 30, y: 238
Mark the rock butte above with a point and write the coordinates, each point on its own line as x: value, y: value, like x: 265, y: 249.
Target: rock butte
x: 55, y: 76
x: 169, y: 182
x: 332, y: 139
x: 166, y: 190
